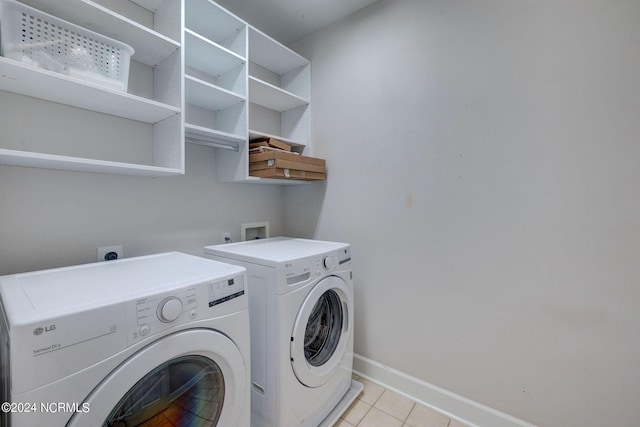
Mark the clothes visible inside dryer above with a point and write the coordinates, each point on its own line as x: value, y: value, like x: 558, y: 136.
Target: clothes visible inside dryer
x: 323, y: 329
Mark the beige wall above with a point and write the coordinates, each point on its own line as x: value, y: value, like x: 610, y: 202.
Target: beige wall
x: 483, y: 161
x: 53, y: 218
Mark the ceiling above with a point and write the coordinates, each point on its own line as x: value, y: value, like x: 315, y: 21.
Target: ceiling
x: 290, y: 20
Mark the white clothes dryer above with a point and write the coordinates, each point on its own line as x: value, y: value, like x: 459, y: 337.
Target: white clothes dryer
x: 148, y: 341
x: 301, y: 311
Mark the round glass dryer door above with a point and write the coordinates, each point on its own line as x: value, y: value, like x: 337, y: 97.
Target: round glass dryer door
x: 321, y: 331
x: 188, y: 390
x: 196, y: 377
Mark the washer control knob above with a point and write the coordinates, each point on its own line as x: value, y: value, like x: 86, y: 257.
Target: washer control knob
x: 169, y: 309
x: 327, y: 263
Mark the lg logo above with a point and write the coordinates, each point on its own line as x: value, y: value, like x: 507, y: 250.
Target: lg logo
x: 40, y: 331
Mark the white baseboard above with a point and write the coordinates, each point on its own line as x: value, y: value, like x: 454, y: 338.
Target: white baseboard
x: 441, y: 400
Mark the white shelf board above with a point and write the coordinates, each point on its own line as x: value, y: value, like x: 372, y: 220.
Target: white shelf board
x: 272, y: 97
x: 207, y: 56
x: 150, y: 47
x: 78, y: 164
x: 207, y: 134
x: 205, y: 95
x: 201, y: 14
x: 28, y: 80
x: 272, y: 55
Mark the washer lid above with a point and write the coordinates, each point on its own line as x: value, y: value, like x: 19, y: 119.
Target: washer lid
x: 274, y: 251
x: 28, y: 297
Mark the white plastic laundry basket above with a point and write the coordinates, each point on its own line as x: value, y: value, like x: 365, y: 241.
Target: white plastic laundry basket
x: 36, y: 38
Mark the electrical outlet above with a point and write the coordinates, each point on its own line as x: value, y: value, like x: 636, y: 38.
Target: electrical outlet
x: 110, y: 253
x: 226, y: 237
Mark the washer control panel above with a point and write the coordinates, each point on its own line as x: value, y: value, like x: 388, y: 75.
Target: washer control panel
x: 332, y: 260
x: 304, y: 269
x: 344, y: 255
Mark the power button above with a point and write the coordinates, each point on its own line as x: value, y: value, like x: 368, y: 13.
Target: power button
x: 144, y: 330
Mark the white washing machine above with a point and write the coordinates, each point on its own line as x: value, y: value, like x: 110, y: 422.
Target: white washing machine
x: 157, y: 340
x: 301, y: 311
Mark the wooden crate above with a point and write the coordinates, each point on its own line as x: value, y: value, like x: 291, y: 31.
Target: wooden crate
x: 269, y: 142
x: 279, y: 173
x: 285, y: 165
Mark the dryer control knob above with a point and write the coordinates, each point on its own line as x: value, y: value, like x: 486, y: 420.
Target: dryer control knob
x: 327, y: 263
x: 169, y: 309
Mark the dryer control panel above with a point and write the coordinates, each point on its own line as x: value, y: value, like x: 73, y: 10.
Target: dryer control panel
x: 153, y: 314
x: 225, y: 290
x: 158, y: 312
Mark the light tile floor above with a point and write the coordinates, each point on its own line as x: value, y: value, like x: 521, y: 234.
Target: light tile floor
x: 379, y: 407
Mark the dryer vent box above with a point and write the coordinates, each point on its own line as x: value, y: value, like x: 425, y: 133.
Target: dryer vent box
x: 255, y: 230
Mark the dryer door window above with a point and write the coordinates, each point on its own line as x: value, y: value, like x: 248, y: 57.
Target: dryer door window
x: 322, y: 331
x: 195, y: 377
x: 188, y: 390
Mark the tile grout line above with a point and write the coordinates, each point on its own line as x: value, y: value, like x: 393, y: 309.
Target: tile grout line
x: 373, y: 405
x: 370, y: 407
x: 365, y: 414
x: 409, y: 413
